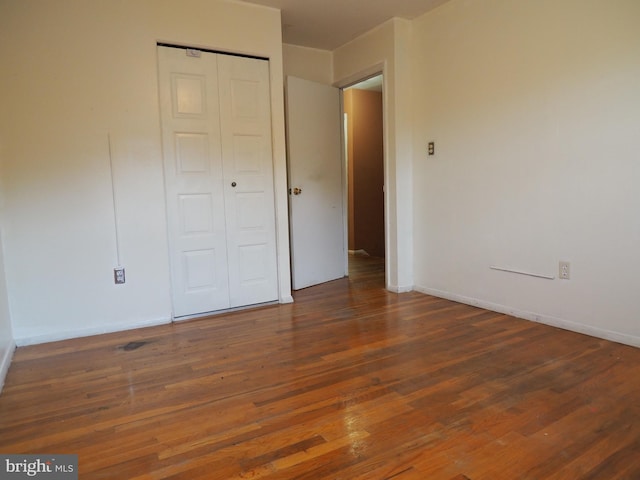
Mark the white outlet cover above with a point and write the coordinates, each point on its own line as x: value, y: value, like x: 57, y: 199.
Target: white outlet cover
x: 564, y: 270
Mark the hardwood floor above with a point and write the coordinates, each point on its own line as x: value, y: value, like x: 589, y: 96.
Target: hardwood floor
x: 349, y: 382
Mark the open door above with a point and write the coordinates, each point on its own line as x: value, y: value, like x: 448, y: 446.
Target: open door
x: 316, y: 198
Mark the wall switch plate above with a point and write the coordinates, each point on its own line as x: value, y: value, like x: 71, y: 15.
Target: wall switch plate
x: 564, y: 270
x: 118, y: 275
x: 431, y: 148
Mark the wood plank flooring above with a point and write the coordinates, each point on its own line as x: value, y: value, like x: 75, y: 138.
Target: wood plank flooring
x: 349, y: 382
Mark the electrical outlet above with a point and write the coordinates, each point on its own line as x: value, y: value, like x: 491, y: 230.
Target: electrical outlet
x: 564, y: 270
x: 431, y: 148
x: 118, y: 275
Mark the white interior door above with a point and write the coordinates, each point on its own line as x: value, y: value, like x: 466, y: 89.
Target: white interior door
x: 316, y: 199
x: 194, y: 181
x: 216, y: 132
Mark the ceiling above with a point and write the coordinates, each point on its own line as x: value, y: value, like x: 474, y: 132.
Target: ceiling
x: 328, y: 24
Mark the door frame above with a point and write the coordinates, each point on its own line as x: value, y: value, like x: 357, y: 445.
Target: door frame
x: 373, y: 71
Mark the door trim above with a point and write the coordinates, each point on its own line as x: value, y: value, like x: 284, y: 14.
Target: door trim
x: 208, y: 50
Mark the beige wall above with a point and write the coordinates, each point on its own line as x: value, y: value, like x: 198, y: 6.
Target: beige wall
x: 308, y: 63
x: 386, y: 49
x: 366, y: 170
x: 534, y: 110
x: 81, y: 71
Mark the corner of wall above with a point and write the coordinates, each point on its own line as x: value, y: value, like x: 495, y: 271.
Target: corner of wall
x: 5, y: 361
x: 7, y: 341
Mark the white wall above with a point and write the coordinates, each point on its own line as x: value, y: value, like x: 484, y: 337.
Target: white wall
x: 308, y: 63
x: 79, y: 71
x: 387, y: 49
x: 534, y: 108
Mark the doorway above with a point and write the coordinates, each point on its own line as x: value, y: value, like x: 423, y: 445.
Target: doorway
x: 364, y: 156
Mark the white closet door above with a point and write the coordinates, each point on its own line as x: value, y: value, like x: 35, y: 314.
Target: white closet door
x: 245, y: 115
x: 194, y: 181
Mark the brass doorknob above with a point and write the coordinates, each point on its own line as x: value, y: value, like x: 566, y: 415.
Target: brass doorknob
x: 297, y: 191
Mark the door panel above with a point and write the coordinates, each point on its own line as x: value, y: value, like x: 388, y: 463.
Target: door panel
x: 245, y: 113
x: 188, y: 93
x: 196, y: 213
x: 192, y: 153
x: 199, y: 270
x: 193, y: 174
x: 318, y: 251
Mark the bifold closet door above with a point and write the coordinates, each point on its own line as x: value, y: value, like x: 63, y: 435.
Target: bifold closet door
x: 247, y: 159
x: 218, y: 180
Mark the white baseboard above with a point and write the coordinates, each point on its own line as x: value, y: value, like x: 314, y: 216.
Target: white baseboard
x: 287, y: 299
x: 22, y: 341
x: 536, y: 317
x: 399, y: 289
x: 86, y: 332
x: 214, y: 313
x: 5, y: 362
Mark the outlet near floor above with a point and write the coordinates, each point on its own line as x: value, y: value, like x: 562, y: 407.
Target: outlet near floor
x: 118, y: 275
x: 564, y: 270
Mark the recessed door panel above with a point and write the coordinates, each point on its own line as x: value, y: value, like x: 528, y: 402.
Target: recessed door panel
x: 192, y: 153
x: 245, y: 98
x: 253, y: 265
x: 199, y: 270
x: 188, y: 94
x: 251, y: 211
x: 196, y: 213
x: 247, y: 154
